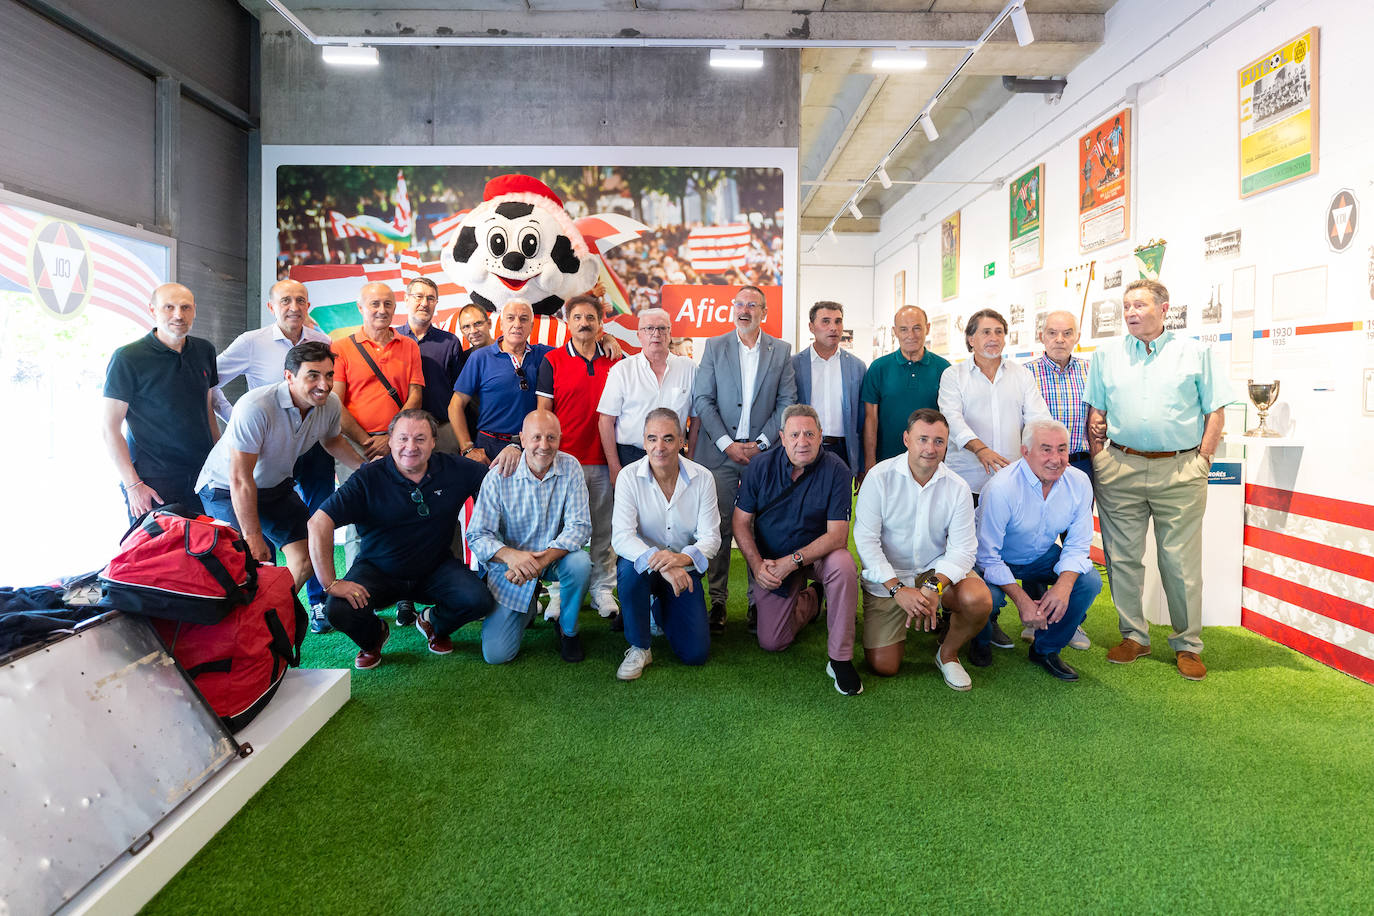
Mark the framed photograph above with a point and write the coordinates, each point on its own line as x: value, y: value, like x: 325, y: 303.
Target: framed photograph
x: 1104, y: 183
x: 1278, y: 115
x: 899, y: 290
x: 1027, y: 241
x: 949, y: 257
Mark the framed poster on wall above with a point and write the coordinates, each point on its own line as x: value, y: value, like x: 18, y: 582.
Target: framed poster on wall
x: 1027, y: 241
x: 898, y: 290
x: 1104, y: 183
x: 949, y: 257
x: 1278, y: 115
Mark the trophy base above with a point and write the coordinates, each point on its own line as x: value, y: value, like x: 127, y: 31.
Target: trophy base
x: 1263, y: 432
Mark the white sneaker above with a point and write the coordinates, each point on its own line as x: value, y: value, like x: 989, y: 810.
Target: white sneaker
x: 1080, y: 640
x: 636, y: 660
x: 955, y: 675
x: 554, y: 607
x: 605, y: 605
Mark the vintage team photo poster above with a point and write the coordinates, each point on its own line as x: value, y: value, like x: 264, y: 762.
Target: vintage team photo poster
x: 949, y: 257
x: 1278, y: 115
x: 1027, y: 240
x: 1104, y: 183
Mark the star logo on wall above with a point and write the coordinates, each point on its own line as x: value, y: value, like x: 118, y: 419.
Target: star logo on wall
x: 1342, y: 219
x: 59, y: 269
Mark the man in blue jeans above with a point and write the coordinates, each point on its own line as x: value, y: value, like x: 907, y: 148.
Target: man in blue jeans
x: 528, y: 527
x: 1024, y: 509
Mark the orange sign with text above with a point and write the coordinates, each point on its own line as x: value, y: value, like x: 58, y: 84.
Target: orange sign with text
x: 705, y: 311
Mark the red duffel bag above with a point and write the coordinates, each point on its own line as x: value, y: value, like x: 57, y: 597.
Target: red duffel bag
x: 195, y: 569
x: 238, y: 663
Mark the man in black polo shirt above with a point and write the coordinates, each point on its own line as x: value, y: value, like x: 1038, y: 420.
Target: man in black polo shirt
x: 159, y: 386
x: 791, y: 522
x: 405, y: 506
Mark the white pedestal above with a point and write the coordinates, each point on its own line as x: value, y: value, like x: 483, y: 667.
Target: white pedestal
x: 305, y: 701
x: 1223, y: 529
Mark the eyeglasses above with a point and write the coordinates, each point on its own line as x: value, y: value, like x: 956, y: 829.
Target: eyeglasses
x: 419, y: 298
x: 655, y: 329
x: 740, y: 304
x: 524, y: 382
x: 419, y: 499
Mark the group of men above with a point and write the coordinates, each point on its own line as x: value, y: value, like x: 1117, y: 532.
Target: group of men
x: 975, y: 482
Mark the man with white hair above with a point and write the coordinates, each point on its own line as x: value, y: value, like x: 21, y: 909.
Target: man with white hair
x: 1063, y: 378
x: 654, y: 377
x: 1024, y: 509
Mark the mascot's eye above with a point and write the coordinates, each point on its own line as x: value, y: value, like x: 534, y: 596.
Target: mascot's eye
x: 496, y: 242
x: 529, y: 243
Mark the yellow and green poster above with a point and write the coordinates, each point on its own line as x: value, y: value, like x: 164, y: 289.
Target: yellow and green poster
x: 1278, y: 115
x: 949, y: 257
x: 1027, y: 241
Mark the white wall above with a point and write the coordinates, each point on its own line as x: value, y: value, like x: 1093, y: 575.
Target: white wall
x: 841, y: 271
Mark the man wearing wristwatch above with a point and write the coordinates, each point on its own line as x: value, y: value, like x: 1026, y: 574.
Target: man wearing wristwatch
x: 792, y: 523
x: 913, y: 527
x: 1160, y: 399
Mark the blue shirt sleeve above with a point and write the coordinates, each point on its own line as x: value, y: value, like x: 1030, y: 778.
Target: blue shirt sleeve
x: 841, y: 486
x: 469, y: 379
x: 348, y: 504
x: 747, y: 498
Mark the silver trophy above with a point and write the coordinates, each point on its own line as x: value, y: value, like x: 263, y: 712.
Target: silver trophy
x: 1263, y: 395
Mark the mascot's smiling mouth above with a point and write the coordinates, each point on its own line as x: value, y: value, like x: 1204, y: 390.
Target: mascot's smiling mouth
x: 515, y: 285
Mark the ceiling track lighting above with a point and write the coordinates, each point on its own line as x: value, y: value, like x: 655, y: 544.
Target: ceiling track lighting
x: 900, y: 59
x: 855, y: 211
x: 1021, y: 23
x: 349, y: 55
x: 928, y: 126
x: 883, y: 178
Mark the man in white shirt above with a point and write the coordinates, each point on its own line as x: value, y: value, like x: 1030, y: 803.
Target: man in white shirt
x: 913, y: 527
x: 830, y: 379
x: 742, y: 386
x: 654, y: 377
x: 666, y: 528
x: 1024, y: 509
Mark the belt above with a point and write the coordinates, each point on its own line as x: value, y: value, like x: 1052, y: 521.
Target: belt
x: 504, y: 437
x: 1140, y: 454
x: 833, y: 440
x: 1080, y: 456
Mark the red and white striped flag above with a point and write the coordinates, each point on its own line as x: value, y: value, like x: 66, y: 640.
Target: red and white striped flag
x: 604, y: 231
x: 343, y: 229
x: 401, y: 221
x: 714, y: 249
x: 441, y: 229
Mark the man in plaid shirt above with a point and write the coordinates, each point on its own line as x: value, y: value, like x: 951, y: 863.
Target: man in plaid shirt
x: 532, y: 526
x: 1062, y: 378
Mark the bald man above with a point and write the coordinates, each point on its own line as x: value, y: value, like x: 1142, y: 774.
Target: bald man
x: 259, y: 355
x: 898, y: 384
x: 158, y: 416
x: 378, y: 374
x: 1062, y: 378
x: 530, y: 526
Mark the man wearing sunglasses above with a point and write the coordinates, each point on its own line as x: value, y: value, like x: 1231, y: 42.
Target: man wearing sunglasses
x: 405, y: 506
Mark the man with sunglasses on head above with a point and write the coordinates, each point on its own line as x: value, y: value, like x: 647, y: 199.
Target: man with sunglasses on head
x: 404, y: 505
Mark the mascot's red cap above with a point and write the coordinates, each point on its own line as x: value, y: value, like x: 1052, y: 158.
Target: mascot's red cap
x: 503, y: 185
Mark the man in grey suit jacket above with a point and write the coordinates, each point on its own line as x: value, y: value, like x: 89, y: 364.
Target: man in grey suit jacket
x: 830, y: 378
x: 744, y: 367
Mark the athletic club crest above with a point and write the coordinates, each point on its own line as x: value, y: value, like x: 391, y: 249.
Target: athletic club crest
x: 1342, y: 219
x: 60, y: 269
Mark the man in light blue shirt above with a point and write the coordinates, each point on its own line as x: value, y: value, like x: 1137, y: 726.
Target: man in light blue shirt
x: 1024, y: 509
x: 1159, y: 399
x: 531, y: 526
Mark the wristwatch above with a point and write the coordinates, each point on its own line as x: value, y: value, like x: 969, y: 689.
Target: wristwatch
x: 933, y: 585
x: 797, y: 559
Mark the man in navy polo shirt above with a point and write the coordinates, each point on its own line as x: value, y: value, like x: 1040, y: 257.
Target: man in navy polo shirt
x: 441, y: 356
x: 160, y: 386
x: 502, y: 378
x: 791, y: 521
x: 404, y: 506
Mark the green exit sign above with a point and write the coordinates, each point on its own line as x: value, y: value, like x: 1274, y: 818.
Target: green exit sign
x: 989, y: 269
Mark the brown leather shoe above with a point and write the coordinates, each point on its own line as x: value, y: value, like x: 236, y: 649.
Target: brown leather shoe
x: 371, y: 658
x: 1128, y: 651
x: 439, y: 645
x: 1191, y: 666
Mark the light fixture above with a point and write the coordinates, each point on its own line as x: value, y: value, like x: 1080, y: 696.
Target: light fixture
x: 349, y: 55
x: 900, y: 59
x: 928, y: 126
x: 883, y: 178
x: 737, y: 58
x: 830, y: 234
x: 855, y: 211
x: 1021, y: 23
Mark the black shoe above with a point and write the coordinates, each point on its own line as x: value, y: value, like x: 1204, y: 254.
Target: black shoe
x: 717, y: 619
x: 617, y: 622
x: 570, y: 647
x: 846, y: 678
x: 751, y: 620
x: 980, y: 654
x: 942, y: 626
x: 318, y: 622
x: 405, y: 613
x: 1054, y: 665
x: 999, y: 639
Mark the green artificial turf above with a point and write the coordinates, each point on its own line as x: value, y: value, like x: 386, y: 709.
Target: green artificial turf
x: 751, y: 785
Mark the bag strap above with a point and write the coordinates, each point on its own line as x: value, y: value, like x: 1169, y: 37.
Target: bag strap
x: 386, y: 382
x: 787, y: 490
x: 218, y: 666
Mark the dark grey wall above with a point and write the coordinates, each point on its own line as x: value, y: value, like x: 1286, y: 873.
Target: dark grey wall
x: 81, y: 127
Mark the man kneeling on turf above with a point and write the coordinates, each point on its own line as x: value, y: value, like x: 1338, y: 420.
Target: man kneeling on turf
x: 914, y: 515
x: 1023, y: 510
x: 405, y: 506
x: 792, y: 521
x: 531, y: 526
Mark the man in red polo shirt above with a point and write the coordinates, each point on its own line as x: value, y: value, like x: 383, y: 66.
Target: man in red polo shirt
x: 570, y: 384
x: 377, y: 375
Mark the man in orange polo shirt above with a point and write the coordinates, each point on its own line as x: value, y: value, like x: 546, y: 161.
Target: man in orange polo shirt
x: 377, y: 375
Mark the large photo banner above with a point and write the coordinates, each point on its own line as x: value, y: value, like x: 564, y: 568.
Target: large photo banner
x: 684, y: 238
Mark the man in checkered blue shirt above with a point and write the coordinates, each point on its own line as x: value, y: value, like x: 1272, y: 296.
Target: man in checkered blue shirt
x: 1062, y: 378
x: 532, y: 526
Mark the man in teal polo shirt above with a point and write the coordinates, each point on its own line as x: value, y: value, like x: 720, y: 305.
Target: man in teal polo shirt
x: 897, y: 384
x: 1159, y: 399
